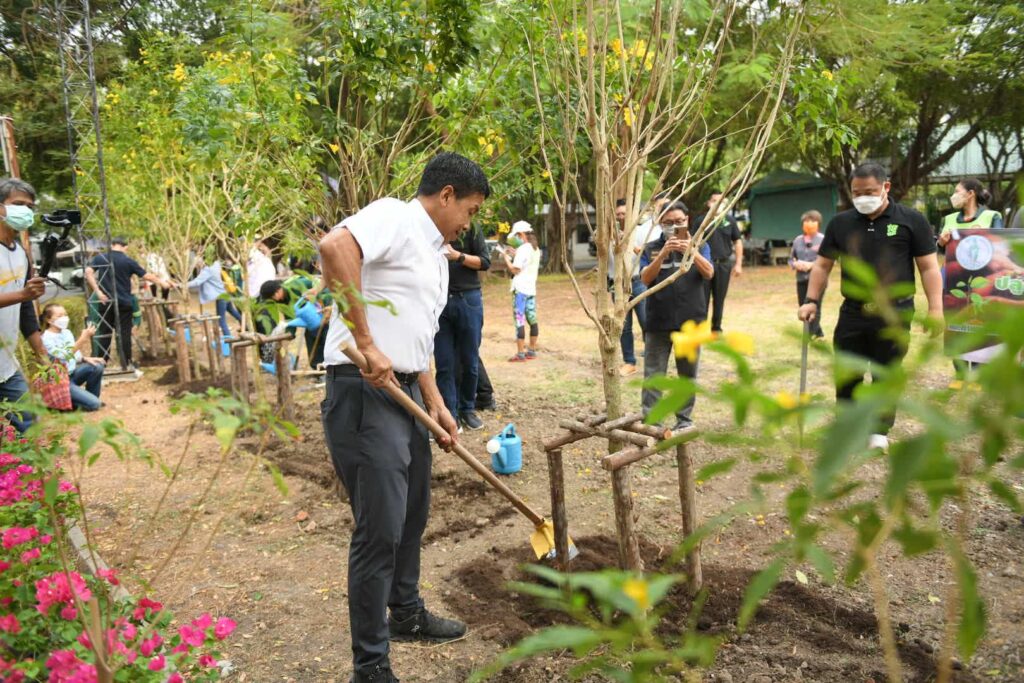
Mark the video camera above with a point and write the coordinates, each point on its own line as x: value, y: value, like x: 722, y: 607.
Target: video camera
x: 65, y: 219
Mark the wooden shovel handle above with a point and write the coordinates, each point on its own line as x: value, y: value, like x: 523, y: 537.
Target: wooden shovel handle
x: 395, y: 392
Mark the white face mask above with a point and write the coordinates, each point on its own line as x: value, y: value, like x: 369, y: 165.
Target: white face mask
x: 868, y: 204
x: 958, y: 200
x: 62, y: 322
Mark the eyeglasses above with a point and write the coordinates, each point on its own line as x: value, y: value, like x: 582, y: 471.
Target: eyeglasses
x: 675, y: 224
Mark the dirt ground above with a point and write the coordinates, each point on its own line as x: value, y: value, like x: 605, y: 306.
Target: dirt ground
x: 277, y: 563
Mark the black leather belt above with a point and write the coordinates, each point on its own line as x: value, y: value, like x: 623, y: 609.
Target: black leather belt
x: 349, y: 370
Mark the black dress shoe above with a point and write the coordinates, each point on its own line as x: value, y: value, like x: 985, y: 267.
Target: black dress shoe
x: 425, y: 626
x: 381, y: 674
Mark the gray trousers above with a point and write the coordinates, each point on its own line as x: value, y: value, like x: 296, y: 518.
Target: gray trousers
x: 383, y: 457
x: 657, y: 351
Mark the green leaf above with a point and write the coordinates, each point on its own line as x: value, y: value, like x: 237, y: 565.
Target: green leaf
x: 275, y: 474
x: 576, y: 638
x: 915, y: 541
x: 958, y: 293
x: 979, y: 282
x: 759, y: 588
x: 1001, y: 490
x: 847, y: 435
x: 88, y: 438
x: 225, y: 427
x: 822, y: 562
x: 715, y: 468
x: 798, y: 502
x: 972, y: 616
x: 50, y: 488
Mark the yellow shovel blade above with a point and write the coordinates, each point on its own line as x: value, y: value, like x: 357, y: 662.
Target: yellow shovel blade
x: 543, y: 541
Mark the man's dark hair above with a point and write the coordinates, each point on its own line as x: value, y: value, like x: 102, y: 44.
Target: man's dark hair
x: 269, y: 288
x: 119, y: 241
x: 620, y: 202
x: 9, y: 186
x: 448, y: 168
x: 870, y: 169
x: 676, y: 206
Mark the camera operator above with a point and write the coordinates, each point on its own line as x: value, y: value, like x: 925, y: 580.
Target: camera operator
x: 115, y: 284
x: 18, y: 289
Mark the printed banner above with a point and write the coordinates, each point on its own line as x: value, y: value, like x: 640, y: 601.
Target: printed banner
x: 981, y: 270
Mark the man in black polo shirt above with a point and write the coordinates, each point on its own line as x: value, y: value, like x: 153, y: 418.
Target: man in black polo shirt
x: 457, y: 342
x: 726, y: 255
x: 114, y: 286
x: 670, y: 307
x: 892, y: 239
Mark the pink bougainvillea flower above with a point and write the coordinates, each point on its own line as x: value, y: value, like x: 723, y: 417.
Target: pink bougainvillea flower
x: 66, y: 667
x: 9, y: 624
x: 29, y: 555
x: 45, y: 539
x: 17, y: 535
x: 203, y: 621
x: 191, y: 636
x: 4, y: 566
x: 128, y: 631
x: 145, y: 608
x: 157, y: 663
x: 150, y: 645
x: 208, y: 661
x: 175, y: 678
x: 110, y: 575
x: 69, y: 612
x: 61, y: 588
x: 224, y: 628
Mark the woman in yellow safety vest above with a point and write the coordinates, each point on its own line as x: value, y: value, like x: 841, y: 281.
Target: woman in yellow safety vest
x: 970, y: 199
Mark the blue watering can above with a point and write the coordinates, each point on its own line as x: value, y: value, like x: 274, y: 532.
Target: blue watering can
x: 506, y: 451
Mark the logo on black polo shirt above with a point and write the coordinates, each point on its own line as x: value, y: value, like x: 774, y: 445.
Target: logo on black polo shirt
x: 892, y: 229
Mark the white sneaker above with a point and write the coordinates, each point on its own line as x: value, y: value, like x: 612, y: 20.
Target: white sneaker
x: 879, y: 441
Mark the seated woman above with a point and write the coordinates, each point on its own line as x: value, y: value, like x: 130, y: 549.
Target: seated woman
x: 86, y: 372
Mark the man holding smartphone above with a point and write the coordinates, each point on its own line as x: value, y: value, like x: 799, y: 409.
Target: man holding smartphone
x: 668, y: 308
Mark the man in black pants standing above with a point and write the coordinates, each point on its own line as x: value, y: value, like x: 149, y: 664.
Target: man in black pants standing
x: 726, y: 244
x: 397, y: 252
x: 457, y: 344
x: 115, y: 278
x: 891, y: 239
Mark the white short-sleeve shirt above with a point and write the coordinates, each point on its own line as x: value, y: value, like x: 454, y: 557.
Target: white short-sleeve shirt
x: 527, y: 259
x: 404, y: 264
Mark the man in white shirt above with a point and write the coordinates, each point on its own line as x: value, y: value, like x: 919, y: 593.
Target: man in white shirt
x: 260, y: 268
x: 17, y: 292
x: 392, y: 252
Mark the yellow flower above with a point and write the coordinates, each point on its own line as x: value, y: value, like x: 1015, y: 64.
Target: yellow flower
x: 616, y: 47
x: 545, y: 174
x: 333, y: 147
x: 740, y: 342
x: 627, y: 117
x: 179, y: 73
x: 639, y: 48
x: 482, y: 141
x: 489, y: 149
x: 636, y: 590
x: 168, y: 182
x: 688, y: 340
x: 154, y: 92
x: 827, y: 74
x: 297, y: 96
x: 430, y: 68
x: 504, y: 227
x: 788, y: 401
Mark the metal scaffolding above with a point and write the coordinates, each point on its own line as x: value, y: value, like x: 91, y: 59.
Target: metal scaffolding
x: 85, y: 145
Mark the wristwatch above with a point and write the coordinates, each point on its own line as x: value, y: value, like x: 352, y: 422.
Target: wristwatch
x: 816, y: 302
x: 461, y: 257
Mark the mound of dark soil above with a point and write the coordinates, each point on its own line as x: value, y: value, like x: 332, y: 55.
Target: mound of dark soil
x: 798, y: 633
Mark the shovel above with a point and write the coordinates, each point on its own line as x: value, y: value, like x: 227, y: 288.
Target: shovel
x: 805, y: 343
x: 543, y: 537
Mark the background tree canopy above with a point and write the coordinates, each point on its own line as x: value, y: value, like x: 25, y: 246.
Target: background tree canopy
x: 330, y: 105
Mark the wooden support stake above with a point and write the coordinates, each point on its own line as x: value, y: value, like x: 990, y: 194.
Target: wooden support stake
x: 688, y: 502
x: 649, y: 430
x: 240, y: 371
x: 218, y: 345
x: 628, y: 456
x: 196, y: 349
x: 556, y: 477
x: 572, y: 437
x: 629, y: 547
x: 284, y: 384
x: 184, y: 371
x: 153, y: 328
x: 614, y: 434
x: 212, y: 353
